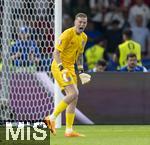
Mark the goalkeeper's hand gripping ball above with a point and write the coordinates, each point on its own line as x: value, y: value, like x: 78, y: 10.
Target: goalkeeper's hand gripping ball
x: 85, y: 78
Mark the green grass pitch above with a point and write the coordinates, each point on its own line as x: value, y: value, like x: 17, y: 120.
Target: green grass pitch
x: 95, y: 135
x: 106, y: 135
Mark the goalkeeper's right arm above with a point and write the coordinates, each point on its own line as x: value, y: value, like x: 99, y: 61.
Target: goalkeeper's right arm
x: 64, y: 71
x: 56, y: 55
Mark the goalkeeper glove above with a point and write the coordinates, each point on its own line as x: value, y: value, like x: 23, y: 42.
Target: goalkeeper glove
x: 65, y: 74
x: 84, y: 77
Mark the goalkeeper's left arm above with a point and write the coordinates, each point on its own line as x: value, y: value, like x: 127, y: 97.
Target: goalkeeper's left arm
x: 84, y: 77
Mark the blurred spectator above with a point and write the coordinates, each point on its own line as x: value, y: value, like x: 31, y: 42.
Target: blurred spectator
x: 100, y: 66
x: 126, y: 23
x: 66, y: 7
x: 98, y: 9
x: 145, y: 1
x: 127, y: 47
x: 141, y: 35
x: 95, y: 53
x: 79, y: 6
x: 113, y: 14
x: 132, y: 65
x: 139, y: 8
x: 24, y: 53
x: 92, y: 33
x: 43, y: 34
x: 67, y: 21
x: 96, y: 4
x: 125, y: 4
x: 113, y: 36
x: 108, y: 4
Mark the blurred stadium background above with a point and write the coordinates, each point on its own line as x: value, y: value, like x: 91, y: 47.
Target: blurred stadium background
x: 111, y: 98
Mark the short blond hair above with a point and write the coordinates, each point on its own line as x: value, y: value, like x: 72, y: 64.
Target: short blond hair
x: 80, y: 15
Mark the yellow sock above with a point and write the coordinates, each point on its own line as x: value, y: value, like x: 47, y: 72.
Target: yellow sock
x: 69, y: 120
x: 60, y: 108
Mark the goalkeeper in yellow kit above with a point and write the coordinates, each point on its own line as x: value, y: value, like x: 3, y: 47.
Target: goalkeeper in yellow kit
x: 69, y: 51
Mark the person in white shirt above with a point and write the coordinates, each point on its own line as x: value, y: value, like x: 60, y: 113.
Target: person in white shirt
x: 141, y: 34
x: 98, y: 9
x: 139, y: 8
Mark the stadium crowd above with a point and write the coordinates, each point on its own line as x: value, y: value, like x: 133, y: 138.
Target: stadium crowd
x: 108, y: 19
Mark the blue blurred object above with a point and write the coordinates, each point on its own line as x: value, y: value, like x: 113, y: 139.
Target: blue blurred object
x: 112, y: 66
x: 25, y: 49
x: 146, y: 62
x: 24, y: 30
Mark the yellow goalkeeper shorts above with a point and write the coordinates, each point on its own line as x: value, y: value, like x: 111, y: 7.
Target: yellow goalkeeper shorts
x: 58, y: 76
